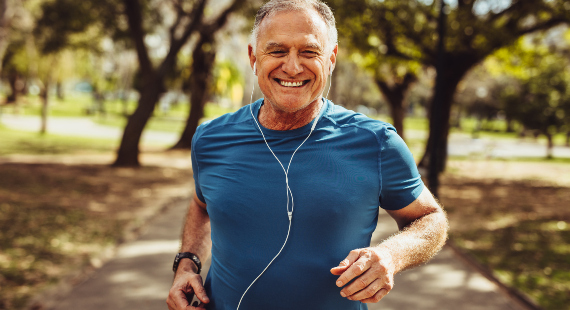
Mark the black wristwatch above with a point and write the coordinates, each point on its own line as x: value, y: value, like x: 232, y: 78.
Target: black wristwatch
x: 189, y: 255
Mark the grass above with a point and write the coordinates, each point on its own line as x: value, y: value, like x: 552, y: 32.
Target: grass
x: 19, y: 142
x: 169, y: 122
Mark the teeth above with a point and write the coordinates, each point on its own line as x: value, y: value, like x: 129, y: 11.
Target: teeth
x: 290, y: 84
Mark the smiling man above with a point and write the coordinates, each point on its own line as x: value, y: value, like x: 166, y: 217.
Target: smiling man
x: 290, y: 185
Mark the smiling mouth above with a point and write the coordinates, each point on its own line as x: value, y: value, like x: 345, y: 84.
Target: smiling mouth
x: 291, y: 84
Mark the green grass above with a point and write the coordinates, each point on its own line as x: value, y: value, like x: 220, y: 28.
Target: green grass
x: 170, y: 122
x: 19, y: 142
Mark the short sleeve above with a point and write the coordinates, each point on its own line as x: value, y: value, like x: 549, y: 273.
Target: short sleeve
x: 196, y: 166
x: 400, y: 181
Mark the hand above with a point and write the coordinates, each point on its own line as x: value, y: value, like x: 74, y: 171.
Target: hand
x: 372, y: 270
x: 186, y: 284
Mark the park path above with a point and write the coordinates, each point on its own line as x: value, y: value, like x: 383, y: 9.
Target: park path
x: 81, y: 127
x: 140, y: 275
x: 460, y: 144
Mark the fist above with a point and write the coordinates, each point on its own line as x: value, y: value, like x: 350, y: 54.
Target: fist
x: 372, y: 271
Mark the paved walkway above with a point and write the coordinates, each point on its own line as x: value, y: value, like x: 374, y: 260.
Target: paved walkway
x: 460, y: 144
x: 139, y: 277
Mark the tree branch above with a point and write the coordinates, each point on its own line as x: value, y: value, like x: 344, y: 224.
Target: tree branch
x: 134, y: 18
x: 176, y: 44
x: 222, y: 19
x: 550, y: 23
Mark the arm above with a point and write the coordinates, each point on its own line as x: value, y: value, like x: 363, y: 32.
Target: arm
x: 423, y: 231
x: 195, y: 239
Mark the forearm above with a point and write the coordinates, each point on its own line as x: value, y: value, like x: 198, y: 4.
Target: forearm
x: 196, y: 234
x: 418, y: 241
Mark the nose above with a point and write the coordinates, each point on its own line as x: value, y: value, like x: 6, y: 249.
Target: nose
x: 292, y: 65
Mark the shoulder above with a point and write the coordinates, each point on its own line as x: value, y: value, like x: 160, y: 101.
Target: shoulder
x: 342, y: 117
x: 220, y: 124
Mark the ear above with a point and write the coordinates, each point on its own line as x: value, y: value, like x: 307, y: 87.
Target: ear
x: 333, y: 59
x: 252, y: 58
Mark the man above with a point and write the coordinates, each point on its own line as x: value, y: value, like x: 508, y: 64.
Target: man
x: 290, y: 185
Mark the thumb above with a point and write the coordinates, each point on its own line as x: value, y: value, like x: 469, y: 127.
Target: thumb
x: 337, y: 271
x: 345, y: 263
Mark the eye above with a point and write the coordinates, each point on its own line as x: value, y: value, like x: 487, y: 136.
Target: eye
x: 310, y: 53
x: 277, y: 53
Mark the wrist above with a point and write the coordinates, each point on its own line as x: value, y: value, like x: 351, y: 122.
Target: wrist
x: 188, y: 265
x: 387, y: 258
x: 183, y: 257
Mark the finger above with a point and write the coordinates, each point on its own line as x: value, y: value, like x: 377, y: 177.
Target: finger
x: 350, y: 259
x: 179, y: 300
x: 337, y: 271
x: 199, y: 290
x: 360, y: 283
x: 377, y: 297
x: 355, y: 270
x: 366, y: 292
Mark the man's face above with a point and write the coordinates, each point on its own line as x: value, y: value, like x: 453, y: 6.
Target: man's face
x: 293, y: 58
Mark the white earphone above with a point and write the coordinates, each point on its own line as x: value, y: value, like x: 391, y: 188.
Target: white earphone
x: 286, y: 171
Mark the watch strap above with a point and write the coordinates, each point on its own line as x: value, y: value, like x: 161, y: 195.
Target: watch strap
x: 189, y: 255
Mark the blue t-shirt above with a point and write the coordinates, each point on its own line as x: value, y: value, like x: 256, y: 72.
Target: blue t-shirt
x: 348, y: 167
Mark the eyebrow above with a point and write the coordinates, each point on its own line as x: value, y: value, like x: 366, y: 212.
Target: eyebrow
x: 272, y: 45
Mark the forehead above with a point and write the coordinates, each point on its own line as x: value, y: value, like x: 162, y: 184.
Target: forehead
x: 293, y: 27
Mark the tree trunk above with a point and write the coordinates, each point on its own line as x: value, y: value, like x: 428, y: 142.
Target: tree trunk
x: 200, y: 81
x: 395, y: 96
x: 59, y: 90
x: 568, y: 138
x: 128, y: 154
x: 44, y: 98
x: 452, y: 77
x: 549, y: 146
x: 13, y: 81
x: 5, y: 18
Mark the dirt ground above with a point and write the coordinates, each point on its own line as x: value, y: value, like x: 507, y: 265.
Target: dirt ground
x: 514, y: 217
x: 61, y: 220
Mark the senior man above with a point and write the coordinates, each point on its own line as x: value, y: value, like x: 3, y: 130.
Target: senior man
x: 289, y: 186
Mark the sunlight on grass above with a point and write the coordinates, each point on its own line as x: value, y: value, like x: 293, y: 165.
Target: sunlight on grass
x: 19, y: 142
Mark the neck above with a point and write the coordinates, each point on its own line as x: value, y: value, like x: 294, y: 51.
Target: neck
x: 275, y: 119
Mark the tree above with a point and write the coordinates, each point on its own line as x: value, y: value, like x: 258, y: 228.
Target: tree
x: 474, y: 29
x: 540, y: 100
x: 200, y: 80
x: 392, y: 76
x: 129, y: 21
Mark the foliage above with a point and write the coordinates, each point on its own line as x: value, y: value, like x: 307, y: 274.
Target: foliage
x: 540, y: 97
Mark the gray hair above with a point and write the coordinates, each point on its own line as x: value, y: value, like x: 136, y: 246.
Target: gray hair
x: 275, y: 6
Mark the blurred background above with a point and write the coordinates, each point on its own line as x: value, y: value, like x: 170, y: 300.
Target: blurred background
x: 99, y: 100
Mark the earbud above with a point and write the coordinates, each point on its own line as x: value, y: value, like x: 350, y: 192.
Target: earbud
x: 331, y: 69
x: 254, y: 69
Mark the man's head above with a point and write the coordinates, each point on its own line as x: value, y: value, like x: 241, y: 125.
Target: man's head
x: 294, y: 46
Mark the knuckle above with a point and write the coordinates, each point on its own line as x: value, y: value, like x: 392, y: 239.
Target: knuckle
x: 369, y: 292
x: 361, y: 282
